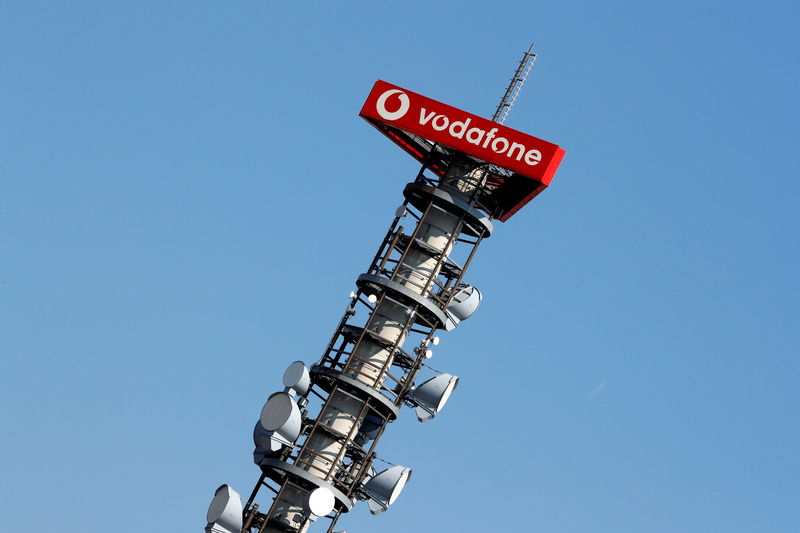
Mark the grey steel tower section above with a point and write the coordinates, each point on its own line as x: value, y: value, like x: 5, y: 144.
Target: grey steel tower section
x: 365, y: 375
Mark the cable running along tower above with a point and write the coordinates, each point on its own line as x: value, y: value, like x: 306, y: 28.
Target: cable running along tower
x: 315, y: 441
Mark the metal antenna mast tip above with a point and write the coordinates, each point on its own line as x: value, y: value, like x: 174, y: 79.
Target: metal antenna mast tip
x: 513, y: 89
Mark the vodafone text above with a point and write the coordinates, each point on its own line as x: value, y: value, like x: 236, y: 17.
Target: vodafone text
x: 499, y: 145
x: 459, y: 129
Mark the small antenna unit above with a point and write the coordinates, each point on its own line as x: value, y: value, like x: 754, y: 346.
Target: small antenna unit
x: 515, y: 86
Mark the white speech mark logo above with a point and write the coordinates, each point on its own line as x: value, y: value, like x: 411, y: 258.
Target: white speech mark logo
x: 405, y: 103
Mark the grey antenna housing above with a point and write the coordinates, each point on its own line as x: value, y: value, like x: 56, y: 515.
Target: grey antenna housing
x: 281, y: 417
x: 225, y: 512
x: 463, y: 305
x: 297, y: 379
x: 370, y: 427
x: 266, y: 444
x: 319, y: 502
x: 431, y: 395
x: 384, y: 488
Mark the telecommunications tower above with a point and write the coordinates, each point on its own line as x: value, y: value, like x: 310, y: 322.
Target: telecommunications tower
x: 316, y: 440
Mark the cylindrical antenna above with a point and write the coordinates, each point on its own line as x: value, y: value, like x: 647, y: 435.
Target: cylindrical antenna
x: 515, y: 86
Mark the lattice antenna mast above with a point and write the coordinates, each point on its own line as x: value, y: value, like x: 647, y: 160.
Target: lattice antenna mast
x: 515, y: 86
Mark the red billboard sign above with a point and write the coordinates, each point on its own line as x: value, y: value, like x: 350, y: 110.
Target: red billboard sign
x: 488, y: 141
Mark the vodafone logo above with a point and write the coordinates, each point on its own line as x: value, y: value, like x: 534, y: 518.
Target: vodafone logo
x: 417, y: 124
x: 483, y: 139
x: 384, y: 113
x: 408, y: 113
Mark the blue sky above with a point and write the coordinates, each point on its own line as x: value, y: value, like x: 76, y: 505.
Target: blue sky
x: 187, y: 195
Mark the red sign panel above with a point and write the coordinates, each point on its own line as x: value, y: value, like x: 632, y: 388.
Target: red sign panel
x: 489, y: 141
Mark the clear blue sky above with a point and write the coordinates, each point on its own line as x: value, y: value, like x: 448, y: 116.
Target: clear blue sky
x: 187, y: 195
